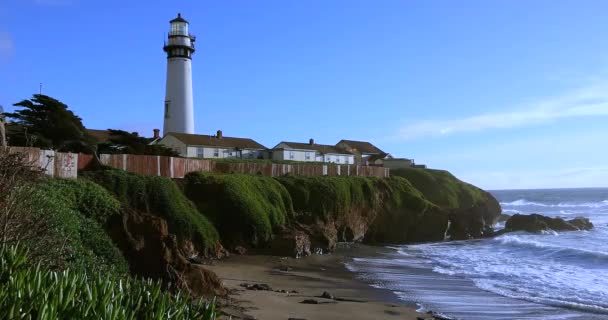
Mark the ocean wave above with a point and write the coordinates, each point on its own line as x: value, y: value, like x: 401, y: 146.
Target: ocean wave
x: 524, y: 202
x: 522, y: 241
x: 570, y: 302
x: 509, y: 211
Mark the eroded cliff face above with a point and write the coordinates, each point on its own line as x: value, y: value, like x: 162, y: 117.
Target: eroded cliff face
x: 297, y: 216
x: 153, y: 252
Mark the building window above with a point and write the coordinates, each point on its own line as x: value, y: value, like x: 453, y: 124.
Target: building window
x: 307, y: 155
x: 347, y: 160
x: 338, y: 159
x: 250, y: 155
x: 200, y: 152
x: 328, y: 158
x: 291, y: 155
x: 216, y: 153
x: 167, y: 104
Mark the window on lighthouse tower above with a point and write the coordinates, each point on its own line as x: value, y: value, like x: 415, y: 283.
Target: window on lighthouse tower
x: 179, y: 28
x: 167, y: 103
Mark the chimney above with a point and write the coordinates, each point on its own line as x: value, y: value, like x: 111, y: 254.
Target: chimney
x: 156, y: 133
x: 219, y: 134
x: 311, y: 141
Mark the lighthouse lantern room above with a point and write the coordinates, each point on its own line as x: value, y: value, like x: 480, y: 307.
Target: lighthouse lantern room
x: 179, y: 106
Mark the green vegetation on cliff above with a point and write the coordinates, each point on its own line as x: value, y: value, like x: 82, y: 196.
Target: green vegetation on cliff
x: 246, y: 209
x: 162, y: 197
x: 333, y: 197
x: 442, y: 188
x: 75, y: 214
x: 328, y: 196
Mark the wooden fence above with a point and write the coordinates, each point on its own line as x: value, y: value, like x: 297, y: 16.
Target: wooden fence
x: 54, y: 164
x: 179, y: 167
x: 66, y: 165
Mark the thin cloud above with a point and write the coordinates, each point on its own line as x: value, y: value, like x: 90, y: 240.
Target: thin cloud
x: 586, y: 102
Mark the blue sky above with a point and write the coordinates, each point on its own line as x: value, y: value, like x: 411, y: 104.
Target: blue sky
x: 504, y: 94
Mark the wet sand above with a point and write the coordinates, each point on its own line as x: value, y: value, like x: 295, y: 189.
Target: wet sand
x: 309, y: 277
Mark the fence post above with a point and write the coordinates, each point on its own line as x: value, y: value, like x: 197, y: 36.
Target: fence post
x: 171, y: 167
x: 124, y: 162
x: 158, y: 165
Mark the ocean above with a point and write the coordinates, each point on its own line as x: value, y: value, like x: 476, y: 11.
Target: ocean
x: 554, y: 275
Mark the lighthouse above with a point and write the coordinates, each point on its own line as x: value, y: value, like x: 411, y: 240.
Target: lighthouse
x: 179, y: 105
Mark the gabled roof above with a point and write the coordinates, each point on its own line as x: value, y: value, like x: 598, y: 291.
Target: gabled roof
x: 214, y: 141
x: 322, y: 148
x: 362, y: 146
x: 375, y: 157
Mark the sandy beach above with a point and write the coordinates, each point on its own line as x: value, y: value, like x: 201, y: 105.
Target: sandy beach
x: 293, y: 281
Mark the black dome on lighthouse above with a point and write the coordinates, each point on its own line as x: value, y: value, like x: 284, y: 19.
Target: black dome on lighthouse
x: 179, y: 19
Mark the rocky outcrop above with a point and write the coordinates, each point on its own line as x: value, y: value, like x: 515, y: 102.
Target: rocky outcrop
x: 290, y: 242
x: 539, y: 223
x: 153, y: 252
x: 475, y: 221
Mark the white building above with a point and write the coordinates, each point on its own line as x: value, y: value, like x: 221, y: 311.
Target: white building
x: 213, y: 147
x: 179, y: 104
x: 311, y: 152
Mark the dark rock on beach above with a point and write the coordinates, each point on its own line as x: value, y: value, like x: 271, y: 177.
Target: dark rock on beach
x: 256, y: 286
x: 310, y: 301
x: 539, y: 223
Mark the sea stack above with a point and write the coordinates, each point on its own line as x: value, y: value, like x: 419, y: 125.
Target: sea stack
x: 179, y: 105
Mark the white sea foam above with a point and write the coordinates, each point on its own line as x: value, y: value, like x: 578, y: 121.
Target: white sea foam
x: 524, y: 202
x: 516, y: 275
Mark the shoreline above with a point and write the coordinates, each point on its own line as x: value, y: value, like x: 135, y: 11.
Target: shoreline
x: 292, y: 281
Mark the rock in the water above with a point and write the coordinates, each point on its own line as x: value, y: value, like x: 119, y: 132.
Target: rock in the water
x: 538, y: 223
x: 581, y: 223
x: 327, y: 295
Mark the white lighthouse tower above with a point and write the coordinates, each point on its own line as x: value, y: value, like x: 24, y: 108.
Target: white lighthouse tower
x: 179, y: 106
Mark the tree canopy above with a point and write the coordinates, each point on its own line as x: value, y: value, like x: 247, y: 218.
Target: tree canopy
x: 120, y: 141
x: 45, y: 122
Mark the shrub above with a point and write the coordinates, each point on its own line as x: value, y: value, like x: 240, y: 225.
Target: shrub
x: 243, y: 207
x: 36, y: 293
x: 159, y: 196
x: 78, y: 211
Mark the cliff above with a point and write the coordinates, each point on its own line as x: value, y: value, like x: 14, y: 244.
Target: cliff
x: 298, y: 215
x: 471, y: 212
x: 155, y: 227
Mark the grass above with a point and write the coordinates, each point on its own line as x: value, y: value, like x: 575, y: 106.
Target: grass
x: 244, y: 208
x: 327, y: 197
x: 35, y: 293
x: 442, y: 188
x: 159, y: 196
